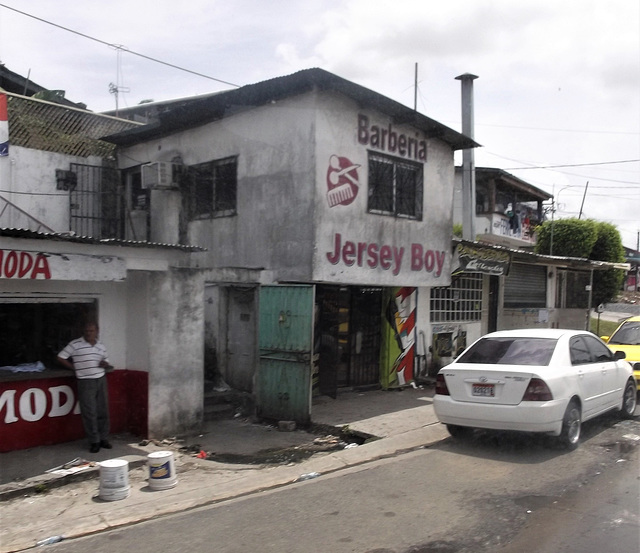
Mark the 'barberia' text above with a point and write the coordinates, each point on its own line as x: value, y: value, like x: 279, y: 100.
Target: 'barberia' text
x: 390, y: 140
x: 385, y: 256
x: 25, y: 265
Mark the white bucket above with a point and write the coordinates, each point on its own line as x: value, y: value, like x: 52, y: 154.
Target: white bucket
x: 114, y: 479
x: 162, y: 470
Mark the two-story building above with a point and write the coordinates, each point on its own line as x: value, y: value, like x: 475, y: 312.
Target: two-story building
x: 326, y: 212
x: 63, y: 259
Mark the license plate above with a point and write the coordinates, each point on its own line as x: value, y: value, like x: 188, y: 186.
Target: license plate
x: 483, y: 390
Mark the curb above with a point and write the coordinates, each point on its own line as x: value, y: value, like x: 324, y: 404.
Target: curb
x: 44, y: 482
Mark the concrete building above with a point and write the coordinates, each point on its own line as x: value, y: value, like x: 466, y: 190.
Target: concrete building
x: 62, y: 260
x: 312, y: 195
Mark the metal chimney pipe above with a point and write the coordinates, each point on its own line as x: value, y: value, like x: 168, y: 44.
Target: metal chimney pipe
x: 468, y: 160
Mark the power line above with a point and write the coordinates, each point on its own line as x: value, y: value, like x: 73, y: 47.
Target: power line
x: 572, y: 165
x: 119, y: 47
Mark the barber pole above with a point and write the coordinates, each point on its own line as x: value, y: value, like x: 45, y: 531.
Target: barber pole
x: 4, y: 126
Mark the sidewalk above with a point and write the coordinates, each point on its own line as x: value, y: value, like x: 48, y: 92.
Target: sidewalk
x: 71, y: 506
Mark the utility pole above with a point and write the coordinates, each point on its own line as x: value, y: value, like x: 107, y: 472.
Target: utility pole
x: 583, y: 197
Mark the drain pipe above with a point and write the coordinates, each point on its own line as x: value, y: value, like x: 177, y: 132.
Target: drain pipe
x: 468, y: 161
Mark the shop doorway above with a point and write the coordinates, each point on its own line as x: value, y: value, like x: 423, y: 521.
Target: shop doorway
x: 347, y: 337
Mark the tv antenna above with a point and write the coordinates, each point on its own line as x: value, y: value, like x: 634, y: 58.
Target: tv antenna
x: 117, y: 88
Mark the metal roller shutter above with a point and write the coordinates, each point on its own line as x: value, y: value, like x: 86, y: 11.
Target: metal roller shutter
x: 526, y: 286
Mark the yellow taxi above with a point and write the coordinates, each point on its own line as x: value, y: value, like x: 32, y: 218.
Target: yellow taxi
x: 627, y: 338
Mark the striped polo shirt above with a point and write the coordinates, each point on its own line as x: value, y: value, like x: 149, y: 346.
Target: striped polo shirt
x: 85, y: 357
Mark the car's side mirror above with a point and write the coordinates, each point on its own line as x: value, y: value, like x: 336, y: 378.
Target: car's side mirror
x: 619, y: 355
x: 636, y: 366
x: 605, y: 339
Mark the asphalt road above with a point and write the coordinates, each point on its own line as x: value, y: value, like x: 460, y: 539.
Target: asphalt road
x: 496, y: 492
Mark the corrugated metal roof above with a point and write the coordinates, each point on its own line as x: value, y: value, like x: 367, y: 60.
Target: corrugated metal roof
x: 556, y: 260
x: 202, y: 110
x: 42, y: 125
x: 67, y: 237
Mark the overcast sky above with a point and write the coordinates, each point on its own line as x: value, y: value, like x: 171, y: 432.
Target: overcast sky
x: 557, y: 101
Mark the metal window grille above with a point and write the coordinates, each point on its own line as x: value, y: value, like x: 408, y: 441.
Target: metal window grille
x: 462, y: 301
x: 395, y: 187
x: 96, y: 202
x: 571, y: 289
x: 214, y: 188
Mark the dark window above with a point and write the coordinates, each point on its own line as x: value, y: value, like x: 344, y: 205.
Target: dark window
x: 599, y: 352
x: 395, y: 187
x: 579, y: 352
x: 628, y: 333
x: 214, y: 188
x: 510, y: 351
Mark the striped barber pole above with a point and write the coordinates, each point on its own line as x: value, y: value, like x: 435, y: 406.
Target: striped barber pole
x: 4, y: 126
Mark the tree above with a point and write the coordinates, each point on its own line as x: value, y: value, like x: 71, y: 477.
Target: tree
x: 587, y: 239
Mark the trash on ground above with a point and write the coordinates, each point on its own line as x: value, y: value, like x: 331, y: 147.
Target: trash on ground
x: 309, y: 476
x: 50, y: 540
x: 71, y: 467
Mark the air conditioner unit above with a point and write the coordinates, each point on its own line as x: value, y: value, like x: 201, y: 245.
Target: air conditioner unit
x: 160, y: 174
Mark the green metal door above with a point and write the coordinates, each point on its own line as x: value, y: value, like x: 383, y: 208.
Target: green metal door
x: 286, y: 338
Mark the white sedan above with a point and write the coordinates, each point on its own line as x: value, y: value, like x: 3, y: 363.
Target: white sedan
x: 534, y: 380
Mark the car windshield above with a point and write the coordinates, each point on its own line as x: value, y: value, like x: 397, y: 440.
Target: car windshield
x: 510, y: 351
x: 628, y: 333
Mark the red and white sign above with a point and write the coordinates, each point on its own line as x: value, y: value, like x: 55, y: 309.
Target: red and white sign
x: 27, y: 265
x: 342, y: 181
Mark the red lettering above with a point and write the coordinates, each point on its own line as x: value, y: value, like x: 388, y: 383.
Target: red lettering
x: 429, y: 261
x: 390, y: 140
x: 416, y: 257
x: 11, y: 264
x: 385, y: 257
x: 393, y: 140
x: 26, y: 262
x: 41, y: 267
x: 348, y: 253
x: 363, y: 129
x: 362, y: 249
x: 372, y: 250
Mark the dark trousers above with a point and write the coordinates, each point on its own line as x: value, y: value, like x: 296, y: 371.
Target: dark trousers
x: 94, y: 408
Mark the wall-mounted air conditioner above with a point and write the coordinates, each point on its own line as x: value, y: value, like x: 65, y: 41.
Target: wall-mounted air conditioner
x: 160, y: 174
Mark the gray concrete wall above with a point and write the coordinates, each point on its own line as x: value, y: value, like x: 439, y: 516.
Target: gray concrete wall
x: 176, y: 352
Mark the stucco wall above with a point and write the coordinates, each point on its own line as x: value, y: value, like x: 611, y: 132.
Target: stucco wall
x: 420, y: 249
x: 33, y: 173
x: 176, y: 352
x: 274, y: 147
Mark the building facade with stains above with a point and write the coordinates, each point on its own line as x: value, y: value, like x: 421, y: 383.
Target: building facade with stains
x: 63, y: 261
x: 326, y: 212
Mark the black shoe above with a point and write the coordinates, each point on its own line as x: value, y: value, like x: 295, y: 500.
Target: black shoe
x: 94, y: 448
x: 106, y: 444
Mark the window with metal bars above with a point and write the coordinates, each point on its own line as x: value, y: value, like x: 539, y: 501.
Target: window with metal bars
x: 96, y: 202
x: 395, y: 187
x: 462, y: 301
x: 214, y: 188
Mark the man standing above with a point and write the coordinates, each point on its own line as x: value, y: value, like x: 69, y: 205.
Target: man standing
x: 89, y: 362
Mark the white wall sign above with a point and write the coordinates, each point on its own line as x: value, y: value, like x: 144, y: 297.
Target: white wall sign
x: 27, y: 265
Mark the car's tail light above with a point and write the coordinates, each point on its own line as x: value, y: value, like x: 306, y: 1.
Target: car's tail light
x: 537, y: 391
x: 441, y: 386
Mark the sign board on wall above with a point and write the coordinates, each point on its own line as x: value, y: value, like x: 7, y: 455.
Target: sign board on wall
x: 30, y: 265
x: 356, y: 244
x: 474, y: 259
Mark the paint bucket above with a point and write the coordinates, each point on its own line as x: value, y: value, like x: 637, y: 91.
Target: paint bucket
x: 114, y: 479
x: 162, y: 470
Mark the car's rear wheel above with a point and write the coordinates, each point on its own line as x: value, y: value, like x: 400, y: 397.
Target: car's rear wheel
x: 629, y: 400
x: 571, y: 425
x: 459, y: 432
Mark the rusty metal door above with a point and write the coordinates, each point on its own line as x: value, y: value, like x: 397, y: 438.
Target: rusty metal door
x: 283, y: 387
